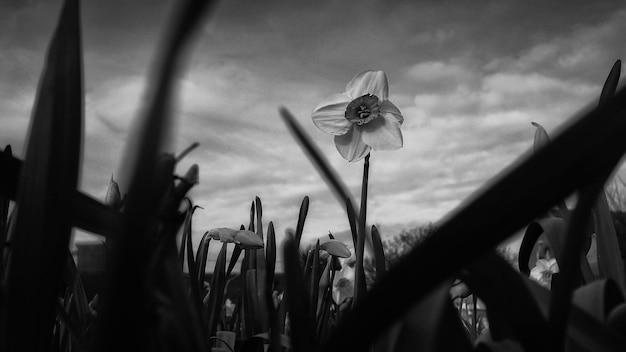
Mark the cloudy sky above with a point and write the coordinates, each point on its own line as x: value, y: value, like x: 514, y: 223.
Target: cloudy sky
x: 469, y: 77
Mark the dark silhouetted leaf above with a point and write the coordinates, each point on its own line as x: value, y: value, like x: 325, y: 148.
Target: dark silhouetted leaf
x: 216, y: 295
x: 317, y: 158
x: 299, y: 314
x: 379, y: 253
x: 47, y: 182
x: 360, y: 288
x: 270, y: 255
x: 304, y: 209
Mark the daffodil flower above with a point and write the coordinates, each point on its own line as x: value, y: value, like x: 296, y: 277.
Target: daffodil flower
x: 243, y: 238
x: 543, y: 271
x: 361, y: 118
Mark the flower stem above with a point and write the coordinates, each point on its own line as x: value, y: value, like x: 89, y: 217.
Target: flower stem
x: 359, y: 277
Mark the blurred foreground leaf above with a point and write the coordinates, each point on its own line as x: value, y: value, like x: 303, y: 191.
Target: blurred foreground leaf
x: 47, y: 181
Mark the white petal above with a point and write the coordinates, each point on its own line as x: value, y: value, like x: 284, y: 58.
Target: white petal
x: 369, y: 82
x: 388, y: 108
x: 543, y: 264
x: 382, y: 133
x: 536, y: 273
x: 329, y: 114
x: 351, y: 146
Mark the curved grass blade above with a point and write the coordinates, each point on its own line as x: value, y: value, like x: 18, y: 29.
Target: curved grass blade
x: 509, y: 201
x: 188, y: 150
x: 319, y: 161
x: 47, y: 180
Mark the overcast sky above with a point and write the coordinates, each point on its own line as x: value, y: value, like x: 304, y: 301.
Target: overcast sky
x: 469, y: 77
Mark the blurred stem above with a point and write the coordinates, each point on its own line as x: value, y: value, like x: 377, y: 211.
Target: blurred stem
x: 359, y: 277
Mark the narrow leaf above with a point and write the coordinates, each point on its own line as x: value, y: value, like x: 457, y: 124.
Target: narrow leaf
x: 216, y: 295
x: 202, y: 254
x: 379, y: 253
x: 270, y: 256
x: 360, y: 288
x: 304, y: 209
x: 262, y: 290
x: 317, y: 158
x: 315, y: 275
x: 610, y: 85
x: 234, y: 257
x: 47, y: 181
x: 299, y: 314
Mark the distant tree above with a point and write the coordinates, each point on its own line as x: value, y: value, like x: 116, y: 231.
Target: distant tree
x: 397, y: 247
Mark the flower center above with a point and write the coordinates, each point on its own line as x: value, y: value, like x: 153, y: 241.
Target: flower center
x: 362, y: 109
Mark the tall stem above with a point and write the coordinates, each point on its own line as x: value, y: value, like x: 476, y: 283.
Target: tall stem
x: 359, y: 275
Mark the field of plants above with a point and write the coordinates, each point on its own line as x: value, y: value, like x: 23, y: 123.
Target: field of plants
x: 160, y: 296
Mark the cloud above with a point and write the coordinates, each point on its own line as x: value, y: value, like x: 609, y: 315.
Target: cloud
x: 468, y: 89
